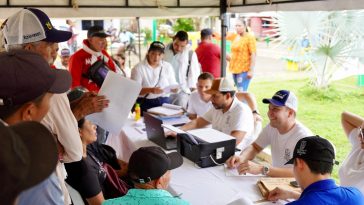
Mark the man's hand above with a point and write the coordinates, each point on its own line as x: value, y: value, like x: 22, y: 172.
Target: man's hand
x: 170, y: 134
x: 234, y: 161
x: 250, y: 167
x: 283, y: 194
x: 89, y: 103
x: 257, y: 117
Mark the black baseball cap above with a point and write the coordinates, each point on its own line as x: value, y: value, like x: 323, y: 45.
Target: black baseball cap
x: 150, y: 163
x: 314, y: 148
x: 156, y: 46
x: 26, y: 75
x: 28, y: 155
x: 97, y: 31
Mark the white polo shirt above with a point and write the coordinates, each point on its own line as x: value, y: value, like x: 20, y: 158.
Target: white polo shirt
x: 282, y: 146
x: 238, y: 118
x: 148, y: 76
x: 351, y: 172
x: 197, y: 106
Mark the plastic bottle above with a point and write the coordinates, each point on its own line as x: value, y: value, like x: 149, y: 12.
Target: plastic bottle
x: 137, y: 112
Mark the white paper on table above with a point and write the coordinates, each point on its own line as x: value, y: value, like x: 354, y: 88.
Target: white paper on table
x: 234, y: 173
x: 169, y: 88
x: 210, y: 135
x: 122, y: 93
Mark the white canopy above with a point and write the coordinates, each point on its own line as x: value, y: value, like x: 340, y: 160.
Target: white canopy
x: 167, y: 8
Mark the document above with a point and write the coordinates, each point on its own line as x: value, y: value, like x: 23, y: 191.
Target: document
x: 169, y: 89
x: 210, y: 135
x: 122, y: 93
x: 166, y: 110
x: 234, y: 173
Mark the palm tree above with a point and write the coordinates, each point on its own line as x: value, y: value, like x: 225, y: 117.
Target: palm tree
x: 333, y: 40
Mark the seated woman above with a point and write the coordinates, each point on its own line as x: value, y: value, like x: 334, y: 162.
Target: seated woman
x: 88, y: 176
x: 351, y: 172
x: 154, y: 74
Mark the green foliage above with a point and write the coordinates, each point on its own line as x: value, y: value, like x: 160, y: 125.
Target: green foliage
x: 185, y: 24
x: 148, y: 33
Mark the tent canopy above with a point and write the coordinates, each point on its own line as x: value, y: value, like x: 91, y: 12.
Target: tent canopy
x: 167, y: 8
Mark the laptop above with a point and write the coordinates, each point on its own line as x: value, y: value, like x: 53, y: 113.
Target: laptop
x: 155, y: 132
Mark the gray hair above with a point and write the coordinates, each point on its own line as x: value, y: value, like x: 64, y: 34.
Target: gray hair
x: 19, y: 46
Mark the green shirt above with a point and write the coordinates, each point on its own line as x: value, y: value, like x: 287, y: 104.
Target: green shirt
x: 146, y: 197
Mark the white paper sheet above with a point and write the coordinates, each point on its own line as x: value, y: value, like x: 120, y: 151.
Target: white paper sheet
x: 169, y: 88
x: 210, y: 135
x: 122, y: 93
x: 234, y: 173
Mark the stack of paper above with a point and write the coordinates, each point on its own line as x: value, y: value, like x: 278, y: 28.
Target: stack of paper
x: 167, y: 110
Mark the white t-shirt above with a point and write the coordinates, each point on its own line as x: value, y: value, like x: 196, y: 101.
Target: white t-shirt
x: 351, y: 172
x: 238, y: 118
x: 197, y: 106
x: 179, y: 62
x: 282, y: 146
x: 148, y: 76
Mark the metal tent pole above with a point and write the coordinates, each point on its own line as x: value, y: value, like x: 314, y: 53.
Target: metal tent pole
x: 223, y: 37
x: 139, y: 53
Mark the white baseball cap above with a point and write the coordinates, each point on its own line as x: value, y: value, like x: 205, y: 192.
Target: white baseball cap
x: 221, y: 85
x: 31, y: 25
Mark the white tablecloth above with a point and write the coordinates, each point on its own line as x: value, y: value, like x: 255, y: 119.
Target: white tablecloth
x: 198, y: 186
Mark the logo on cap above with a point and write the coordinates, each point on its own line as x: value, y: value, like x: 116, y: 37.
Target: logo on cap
x: 302, y: 149
x: 280, y: 95
x: 49, y: 25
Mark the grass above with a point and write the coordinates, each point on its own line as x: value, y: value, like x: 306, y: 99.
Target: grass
x: 319, y: 110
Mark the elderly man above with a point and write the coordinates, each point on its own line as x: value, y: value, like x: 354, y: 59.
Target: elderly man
x: 149, y: 169
x: 228, y: 115
x: 93, y: 51
x: 313, y: 160
x: 65, y: 57
x: 282, y: 133
x: 29, y: 99
x: 30, y: 29
x: 185, y: 65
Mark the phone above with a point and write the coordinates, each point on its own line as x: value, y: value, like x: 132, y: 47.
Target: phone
x: 294, y: 184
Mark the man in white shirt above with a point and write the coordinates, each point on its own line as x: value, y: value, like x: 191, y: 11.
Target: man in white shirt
x: 199, y: 102
x: 229, y: 115
x: 282, y: 133
x: 185, y: 65
x: 154, y: 75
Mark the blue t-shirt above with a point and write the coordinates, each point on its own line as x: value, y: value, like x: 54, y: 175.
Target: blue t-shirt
x: 326, y: 192
x: 47, y: 192
x: 146, y: 197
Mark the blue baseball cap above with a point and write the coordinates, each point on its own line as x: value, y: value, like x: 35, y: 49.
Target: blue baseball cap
x: 31, y: 25
x: 283, y: 98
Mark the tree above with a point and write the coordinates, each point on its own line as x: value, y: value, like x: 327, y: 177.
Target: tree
x: 334, y: 39
x: 185, y: 24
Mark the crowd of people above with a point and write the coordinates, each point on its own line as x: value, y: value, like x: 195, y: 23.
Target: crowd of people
x: 48, y: 142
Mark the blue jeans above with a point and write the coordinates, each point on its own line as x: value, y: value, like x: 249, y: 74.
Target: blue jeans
x: 241, y: 81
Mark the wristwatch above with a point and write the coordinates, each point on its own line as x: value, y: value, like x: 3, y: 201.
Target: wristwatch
x: 265, y: 170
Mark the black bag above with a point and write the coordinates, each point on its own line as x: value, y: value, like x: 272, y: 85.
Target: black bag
x: 202, y: 153
x: 97, y: 72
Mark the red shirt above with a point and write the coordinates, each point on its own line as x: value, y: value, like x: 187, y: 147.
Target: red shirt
x: 208, y: 55
x: 79, y: 64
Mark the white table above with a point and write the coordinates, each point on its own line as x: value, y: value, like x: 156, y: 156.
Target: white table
x: 198, y: 186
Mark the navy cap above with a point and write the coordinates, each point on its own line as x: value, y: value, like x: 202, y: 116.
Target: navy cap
x: 31, y: 25
x: 283, y: 98
x: 156, y: 46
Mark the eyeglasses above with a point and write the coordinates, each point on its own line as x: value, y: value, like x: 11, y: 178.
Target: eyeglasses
x: 361, y: 134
